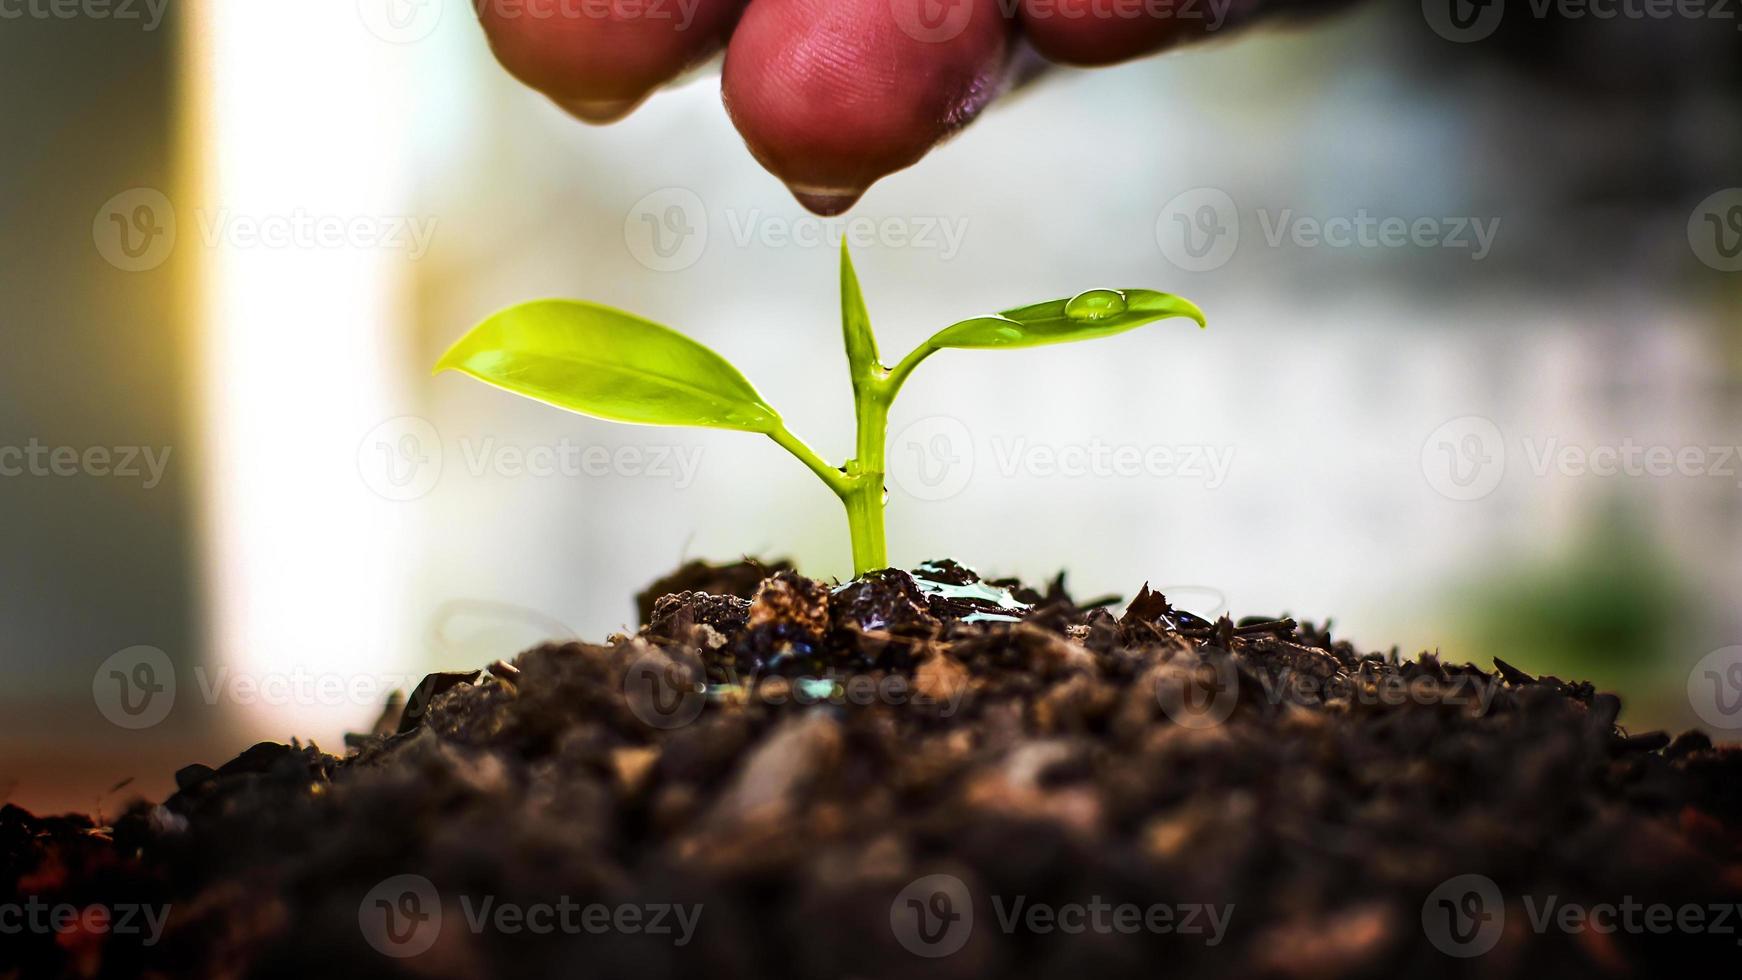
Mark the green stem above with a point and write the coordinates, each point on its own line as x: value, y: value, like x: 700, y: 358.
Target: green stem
x: 836, y: 480
x: 897, y: 375
x: 865, y: 498
x: 860, y: 484
x: 865, y: 523
x: 874, y: 390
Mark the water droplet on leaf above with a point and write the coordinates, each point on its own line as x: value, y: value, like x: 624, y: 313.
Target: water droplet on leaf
x: 1096, y: 304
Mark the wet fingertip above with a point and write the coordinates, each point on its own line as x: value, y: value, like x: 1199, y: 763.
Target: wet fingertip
x: 823, y: 201
x: 598, y: 112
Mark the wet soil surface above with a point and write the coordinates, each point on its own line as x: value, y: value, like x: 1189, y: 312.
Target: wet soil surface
x: 920, y: 775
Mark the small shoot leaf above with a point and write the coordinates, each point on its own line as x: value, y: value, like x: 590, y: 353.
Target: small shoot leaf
x: 1086, y: 316
x: 608, y: 364
x: 856, y: 322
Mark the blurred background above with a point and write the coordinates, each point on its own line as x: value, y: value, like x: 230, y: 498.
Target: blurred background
x: 1473, y: 382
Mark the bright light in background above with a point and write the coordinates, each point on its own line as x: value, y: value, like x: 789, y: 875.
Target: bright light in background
x: 299, y: 128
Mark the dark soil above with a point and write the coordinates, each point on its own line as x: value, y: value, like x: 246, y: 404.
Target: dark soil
x: 793, y: 766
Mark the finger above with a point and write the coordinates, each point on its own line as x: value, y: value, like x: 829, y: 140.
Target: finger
x: 600, y: 58
x: 833, y: 95
x: 1104, y: 32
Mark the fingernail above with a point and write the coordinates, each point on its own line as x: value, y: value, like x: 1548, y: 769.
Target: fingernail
x: 598, y: 111
x: 826, y: 201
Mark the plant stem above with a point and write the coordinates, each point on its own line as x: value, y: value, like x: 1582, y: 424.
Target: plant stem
x: 860, y: 487
x: 837, y: 481
x: 860, y: 484
x: 896, y: 376
x: 865, y: 498
x: 865, y: 523
x: 874, y: 390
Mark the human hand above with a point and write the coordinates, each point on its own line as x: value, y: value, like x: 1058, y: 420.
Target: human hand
x: 833, y: 95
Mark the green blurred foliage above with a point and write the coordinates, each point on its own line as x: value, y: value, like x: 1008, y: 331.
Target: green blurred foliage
x: 1611, y: 609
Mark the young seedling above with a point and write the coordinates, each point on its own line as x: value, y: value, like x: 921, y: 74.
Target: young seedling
x: 608, y: 364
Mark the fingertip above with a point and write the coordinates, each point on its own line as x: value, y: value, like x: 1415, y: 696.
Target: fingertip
x: 824, y: 201
x: 599, y: 112
x: 1094, y: 33
x: 833, y: 95
x: 598, y: 62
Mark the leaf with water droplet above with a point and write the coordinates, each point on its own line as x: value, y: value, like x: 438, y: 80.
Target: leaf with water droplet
x: 1085, y: 316
x: 611, y: 365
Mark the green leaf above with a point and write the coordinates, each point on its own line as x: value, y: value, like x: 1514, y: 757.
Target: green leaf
x: 856, y: 322
x: 609, y: 364
x: 1096, y: 313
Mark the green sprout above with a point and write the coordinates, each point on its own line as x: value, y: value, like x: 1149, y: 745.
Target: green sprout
x: 612, y: 365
